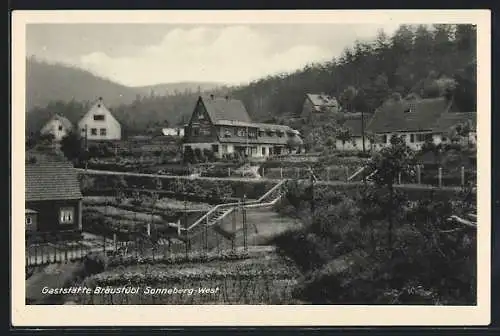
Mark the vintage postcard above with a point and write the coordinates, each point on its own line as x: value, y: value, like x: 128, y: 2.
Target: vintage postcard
x: 237, y: 168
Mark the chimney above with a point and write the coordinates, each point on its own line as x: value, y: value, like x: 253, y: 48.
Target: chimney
x: 212, y: 96
x: 99, y: 101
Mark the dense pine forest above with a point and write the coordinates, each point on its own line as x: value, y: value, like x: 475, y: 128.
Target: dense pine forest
x: 417, y: 61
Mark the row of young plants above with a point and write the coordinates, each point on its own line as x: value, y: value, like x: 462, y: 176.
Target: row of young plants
x: 177, y: 258
x: 153, y: 276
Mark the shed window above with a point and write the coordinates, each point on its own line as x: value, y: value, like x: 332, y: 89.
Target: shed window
x: 93, y: 131
x: 103, y: 131
x: 99, y: 117
x: 66, y: 216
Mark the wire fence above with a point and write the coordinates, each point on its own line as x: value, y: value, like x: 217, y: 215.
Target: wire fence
x: 226, y: 234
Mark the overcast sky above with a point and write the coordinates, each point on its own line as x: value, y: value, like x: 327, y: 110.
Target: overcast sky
x: 145, y: 54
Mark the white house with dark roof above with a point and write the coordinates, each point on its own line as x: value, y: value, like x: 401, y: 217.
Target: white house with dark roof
x: 417, y: 121
x: 98, y: 124
x: 223, y: 125
x: 58, y: 126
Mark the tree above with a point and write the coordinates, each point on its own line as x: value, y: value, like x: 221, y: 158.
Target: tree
x: 347, y: 98
x: 344, y: 135
x: 387, y: 165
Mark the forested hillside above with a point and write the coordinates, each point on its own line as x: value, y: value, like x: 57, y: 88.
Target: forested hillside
x: 419, y: 61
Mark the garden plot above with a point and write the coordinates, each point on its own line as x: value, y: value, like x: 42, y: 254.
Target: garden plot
x: 259, y: 277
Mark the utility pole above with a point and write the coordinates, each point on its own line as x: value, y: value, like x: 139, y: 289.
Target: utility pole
x: 86, y: 148
x: 363, y: 130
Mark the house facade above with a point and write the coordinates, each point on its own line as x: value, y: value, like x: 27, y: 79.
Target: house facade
x: 317, y: 105
x: 53, y: 200
x: 416, y: 121
x: 58, y: 126
x: 98, y: 124
x: 223, y: 126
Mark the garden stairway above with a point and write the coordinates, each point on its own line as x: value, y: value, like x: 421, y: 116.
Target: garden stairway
x: 209, y: 222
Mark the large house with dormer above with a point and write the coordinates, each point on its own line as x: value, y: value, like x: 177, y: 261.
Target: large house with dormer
x: 418, y: 121
x: 98, y: 124
x: 223, y: 125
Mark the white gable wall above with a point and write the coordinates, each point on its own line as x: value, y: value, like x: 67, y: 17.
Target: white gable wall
x: 107, y: 129
x: 55, y: 127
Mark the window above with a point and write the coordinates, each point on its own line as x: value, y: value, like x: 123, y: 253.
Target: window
x: 384, y: 138
x: 423, y: 137
x: 263, y: 150
x: 93, y: 131
x: 103, y: 131
x: 224, y: 148
x: 412, y: 138
x: 60, y: 127
x: 443, y: 138
x: 66, y: 216
x: 235, y: 131
x: 29, y: 220
x: 215, y: 148
x: 99, y: 117
x: 261, y: 133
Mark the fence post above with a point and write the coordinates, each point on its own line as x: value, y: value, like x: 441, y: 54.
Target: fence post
x: 440, y: 177
x: 419, y: 176
x: 263, y: 171
x: 399, y: 178
x: 114, y: 240
x: 229, y: 171
x: 281, y: 173
x: 178, y: 227
x: 462, y: 175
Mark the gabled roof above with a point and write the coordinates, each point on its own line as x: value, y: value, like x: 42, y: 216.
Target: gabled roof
x: 225, y: 109
x: 448, y: 120
x: 420, y: 115
x: 322, y: 99
x: 64, y: 121
x: 388, y: 118
x: 49, y: 176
